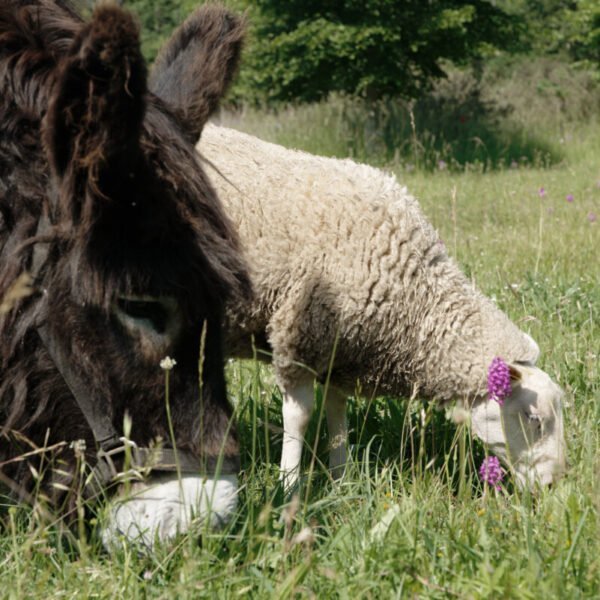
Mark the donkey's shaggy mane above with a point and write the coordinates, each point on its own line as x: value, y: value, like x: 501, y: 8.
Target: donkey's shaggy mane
x: 33, y: 36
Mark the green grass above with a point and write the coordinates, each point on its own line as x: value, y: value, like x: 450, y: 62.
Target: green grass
x: 409, y: 518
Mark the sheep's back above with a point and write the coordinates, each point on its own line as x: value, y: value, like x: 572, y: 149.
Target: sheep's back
x: 341, y: 249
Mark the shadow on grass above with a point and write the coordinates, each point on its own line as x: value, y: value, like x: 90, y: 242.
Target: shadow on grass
x: 465, y: 122
x: 414, y: 437
x: 454, y: 127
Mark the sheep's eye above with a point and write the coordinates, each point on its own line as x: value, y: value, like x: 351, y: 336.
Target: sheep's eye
x: 534, y: 420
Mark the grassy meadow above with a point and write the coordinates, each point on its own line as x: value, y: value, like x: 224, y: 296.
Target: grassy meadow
x: 514, y: 189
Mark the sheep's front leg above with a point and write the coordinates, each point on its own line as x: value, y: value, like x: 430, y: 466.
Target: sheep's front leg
x: 298, y: 402
x: 337, y: 424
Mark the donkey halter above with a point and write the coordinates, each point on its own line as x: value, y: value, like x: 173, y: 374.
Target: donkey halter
x: 140, y: 461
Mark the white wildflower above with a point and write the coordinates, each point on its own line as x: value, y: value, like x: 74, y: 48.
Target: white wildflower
x: 78, y: 447
x: 167, y: 363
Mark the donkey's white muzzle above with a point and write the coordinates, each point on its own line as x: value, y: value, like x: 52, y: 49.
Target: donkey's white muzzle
x: 161, y: 508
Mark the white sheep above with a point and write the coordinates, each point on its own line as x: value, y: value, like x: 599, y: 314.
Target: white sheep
x: 341, y: 255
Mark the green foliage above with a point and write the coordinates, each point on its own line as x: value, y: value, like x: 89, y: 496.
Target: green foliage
x: 584, y: 37
x: 305, y: 49
x: 560, y: 26
x: 158, y: 18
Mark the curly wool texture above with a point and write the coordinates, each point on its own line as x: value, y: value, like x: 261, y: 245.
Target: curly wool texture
x: 341, y: 250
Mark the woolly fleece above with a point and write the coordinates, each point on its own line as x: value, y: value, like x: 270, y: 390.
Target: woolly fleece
x: 341, y: 250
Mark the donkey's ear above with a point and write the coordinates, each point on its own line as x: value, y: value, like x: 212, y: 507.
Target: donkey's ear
x: 97, y: 106
x: 195, y: 67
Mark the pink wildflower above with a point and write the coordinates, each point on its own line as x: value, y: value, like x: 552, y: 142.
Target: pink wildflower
x: 498, y: 381
x: 491, y: 472
x: 570, y: 198
x: 542, y: 192
x: 592, y: 218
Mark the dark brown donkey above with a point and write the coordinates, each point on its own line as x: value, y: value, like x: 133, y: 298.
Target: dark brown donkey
x: 103, y: 202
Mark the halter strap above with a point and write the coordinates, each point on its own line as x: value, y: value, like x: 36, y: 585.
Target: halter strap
x: 139, y: 462
x: 105, y: 434
x: 102, y: 428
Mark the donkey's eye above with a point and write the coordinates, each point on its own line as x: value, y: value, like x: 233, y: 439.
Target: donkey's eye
x: 146, y: 310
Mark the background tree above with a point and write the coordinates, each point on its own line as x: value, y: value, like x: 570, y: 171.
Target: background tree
x: 305, y: 49
x: 570, y: 27
x: 158, y: 18
x: 301, y: 50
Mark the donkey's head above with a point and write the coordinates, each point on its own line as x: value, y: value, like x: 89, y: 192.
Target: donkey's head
x: 134, y: 258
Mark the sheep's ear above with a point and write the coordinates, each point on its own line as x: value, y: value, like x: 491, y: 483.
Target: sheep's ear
x: 195, y: 67
x: 97, y: 107
x: 534, y: 349
x: 516, y: 376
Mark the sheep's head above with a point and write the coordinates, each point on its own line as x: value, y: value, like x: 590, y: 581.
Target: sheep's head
x: 526, y: 432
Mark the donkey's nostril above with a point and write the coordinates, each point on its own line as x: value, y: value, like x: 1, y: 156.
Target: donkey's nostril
x: 151, y: 311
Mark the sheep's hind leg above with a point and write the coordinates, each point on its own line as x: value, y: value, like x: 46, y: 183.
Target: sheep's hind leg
x: 337, y: 424
x: 298, y: 403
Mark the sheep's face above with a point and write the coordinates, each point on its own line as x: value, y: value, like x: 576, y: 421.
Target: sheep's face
x: 526, y: 433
